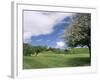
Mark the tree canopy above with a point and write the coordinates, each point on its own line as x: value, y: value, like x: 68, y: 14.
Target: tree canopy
x: 79, y: 31
x: 29, y: 50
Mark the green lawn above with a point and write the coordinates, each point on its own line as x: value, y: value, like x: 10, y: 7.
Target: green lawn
x: 48, y: 59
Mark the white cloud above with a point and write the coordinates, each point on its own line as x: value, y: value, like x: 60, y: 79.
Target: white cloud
x: 41, y: 23
x: 60, y: 44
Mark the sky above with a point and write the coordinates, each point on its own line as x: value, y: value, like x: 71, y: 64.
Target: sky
x: 43, y: 28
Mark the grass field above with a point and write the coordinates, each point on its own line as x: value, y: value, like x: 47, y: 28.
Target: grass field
x: 48, y: 59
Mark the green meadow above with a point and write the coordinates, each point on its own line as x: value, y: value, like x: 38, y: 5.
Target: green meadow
x: 75, y: 57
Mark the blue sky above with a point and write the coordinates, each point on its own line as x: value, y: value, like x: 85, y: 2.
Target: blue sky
x: 45, y: 28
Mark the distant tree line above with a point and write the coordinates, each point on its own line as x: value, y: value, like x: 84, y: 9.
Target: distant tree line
x: 29, y: 50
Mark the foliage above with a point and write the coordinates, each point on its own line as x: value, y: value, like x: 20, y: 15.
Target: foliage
x: 78, y: 33
x: 39, y: 49
x: 29, y: 50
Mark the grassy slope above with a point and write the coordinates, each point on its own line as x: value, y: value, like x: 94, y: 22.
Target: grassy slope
x: 80, y: 57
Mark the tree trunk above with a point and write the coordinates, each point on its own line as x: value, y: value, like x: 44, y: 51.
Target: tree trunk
x: 89, y: 46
